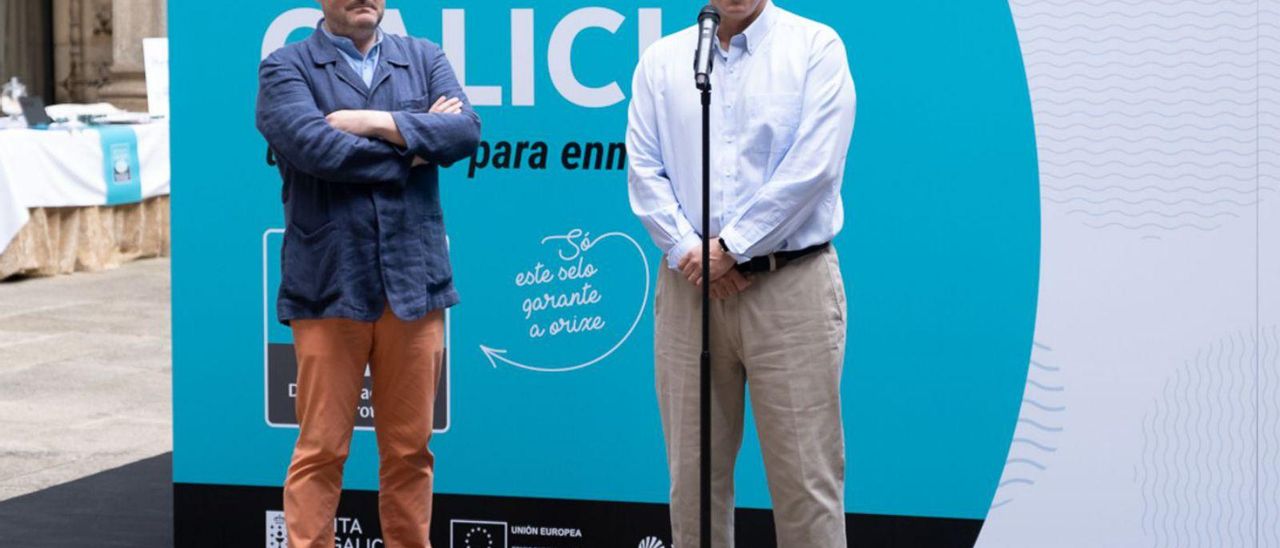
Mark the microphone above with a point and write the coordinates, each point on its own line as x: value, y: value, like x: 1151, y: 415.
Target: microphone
x: 708, y: 24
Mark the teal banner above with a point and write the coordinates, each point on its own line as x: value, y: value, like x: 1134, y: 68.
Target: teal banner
x: 550, y: 369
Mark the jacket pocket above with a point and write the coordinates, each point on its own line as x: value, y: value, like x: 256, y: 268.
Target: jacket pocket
x: 309, y: 206
x: 420, y: 104
x: 312, y: 261
x: 435, y: 242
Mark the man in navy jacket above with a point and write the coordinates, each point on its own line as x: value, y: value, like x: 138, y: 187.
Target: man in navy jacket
x: 359, y: 122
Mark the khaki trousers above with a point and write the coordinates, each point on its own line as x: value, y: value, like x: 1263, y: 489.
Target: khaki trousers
x: 405, y: 360
x: 784, y: 340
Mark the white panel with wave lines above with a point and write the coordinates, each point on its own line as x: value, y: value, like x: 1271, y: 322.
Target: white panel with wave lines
x: 1158, y: 130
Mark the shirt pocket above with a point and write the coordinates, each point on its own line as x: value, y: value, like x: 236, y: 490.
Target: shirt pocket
x: 772, y: 121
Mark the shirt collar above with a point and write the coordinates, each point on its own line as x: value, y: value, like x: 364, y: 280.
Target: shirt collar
x: 348, y: 47
x: 759, y: 28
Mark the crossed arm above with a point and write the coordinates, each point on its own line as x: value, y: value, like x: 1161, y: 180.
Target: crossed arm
x: 377, y: 124
x: 297, y: 131
x: 363, y: 146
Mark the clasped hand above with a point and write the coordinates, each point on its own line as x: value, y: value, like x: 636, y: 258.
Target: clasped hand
x: 726, y: 281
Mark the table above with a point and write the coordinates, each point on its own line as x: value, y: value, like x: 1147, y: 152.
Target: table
x: 60, y: 173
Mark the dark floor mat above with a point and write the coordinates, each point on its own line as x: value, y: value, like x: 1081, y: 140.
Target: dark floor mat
x: 130, y: 506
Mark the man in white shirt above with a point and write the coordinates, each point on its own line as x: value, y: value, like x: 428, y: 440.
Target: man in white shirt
x: 782, y: 118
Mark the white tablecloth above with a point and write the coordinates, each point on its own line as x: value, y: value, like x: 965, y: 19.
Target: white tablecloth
x: 59, y: 168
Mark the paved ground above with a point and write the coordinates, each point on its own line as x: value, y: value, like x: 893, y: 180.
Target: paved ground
x: 85, y: 374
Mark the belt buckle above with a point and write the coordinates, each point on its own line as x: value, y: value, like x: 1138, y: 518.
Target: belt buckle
x: 773, y: 262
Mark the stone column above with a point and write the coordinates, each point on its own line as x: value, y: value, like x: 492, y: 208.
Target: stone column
x: 62, y: 50
x: 131, y: 21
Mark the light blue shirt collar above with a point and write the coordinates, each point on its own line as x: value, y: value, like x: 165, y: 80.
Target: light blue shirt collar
x: 363, y: 64
x: 754, y: 35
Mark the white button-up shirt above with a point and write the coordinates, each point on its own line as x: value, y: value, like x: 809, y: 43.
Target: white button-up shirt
x: 782, y: 116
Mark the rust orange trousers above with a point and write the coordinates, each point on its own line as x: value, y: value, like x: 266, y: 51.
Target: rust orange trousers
x: 404, y: 359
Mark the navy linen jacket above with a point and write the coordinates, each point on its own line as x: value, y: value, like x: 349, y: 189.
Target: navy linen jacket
x: 363, y: 227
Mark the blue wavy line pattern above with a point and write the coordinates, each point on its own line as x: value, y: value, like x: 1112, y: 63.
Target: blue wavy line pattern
x: 1269, y: 438
x: 1197, y: 472
x: 1041, y: 421
x: 1152, y: 116
x: 1268, y: 460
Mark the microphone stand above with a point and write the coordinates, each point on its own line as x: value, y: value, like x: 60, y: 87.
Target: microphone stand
x: 704, y: 63
x: 705, y: 381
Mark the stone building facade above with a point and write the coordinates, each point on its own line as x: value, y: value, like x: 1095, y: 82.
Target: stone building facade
x: 96, y: 47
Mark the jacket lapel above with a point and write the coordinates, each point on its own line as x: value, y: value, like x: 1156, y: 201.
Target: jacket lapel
x: 393, y: 59
x: 347, y: 75
x: 323, y: 52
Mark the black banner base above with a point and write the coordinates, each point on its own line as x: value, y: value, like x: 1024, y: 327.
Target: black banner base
x: 221, y: 515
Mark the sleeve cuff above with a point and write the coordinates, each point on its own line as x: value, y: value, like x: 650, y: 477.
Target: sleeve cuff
x: 682, y: 248
x: 404, y: 122
x: 737, y: 246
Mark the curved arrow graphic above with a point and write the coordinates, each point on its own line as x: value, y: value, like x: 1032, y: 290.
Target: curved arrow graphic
x: 496, y: 355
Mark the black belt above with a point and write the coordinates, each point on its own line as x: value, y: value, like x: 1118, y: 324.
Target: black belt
x: 775, y: 261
